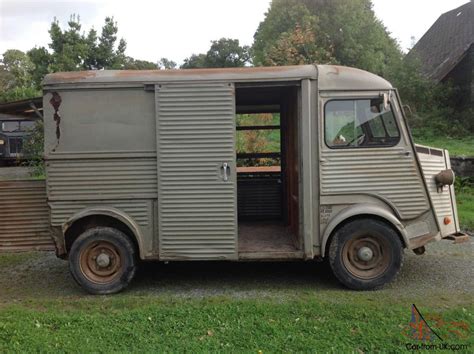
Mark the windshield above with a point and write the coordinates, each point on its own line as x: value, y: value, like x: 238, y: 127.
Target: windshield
x: 17, y: 126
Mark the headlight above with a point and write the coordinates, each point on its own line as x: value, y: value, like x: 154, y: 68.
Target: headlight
x: 2, y: 142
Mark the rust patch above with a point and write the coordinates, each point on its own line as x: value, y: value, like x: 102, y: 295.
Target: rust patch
x: 58, y: 238
x: 262, y: 169
x: 204, y: 71
x: 73, y: 75
x: 55, y: 101
x: 419, y: 241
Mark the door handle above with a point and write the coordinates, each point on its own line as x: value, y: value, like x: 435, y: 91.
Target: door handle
x: 225, y: 167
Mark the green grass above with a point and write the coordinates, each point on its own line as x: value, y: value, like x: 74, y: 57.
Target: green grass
x: 456, y: 146
x: 12, y: 259
x: 124, y: 323
x: 465, y: 202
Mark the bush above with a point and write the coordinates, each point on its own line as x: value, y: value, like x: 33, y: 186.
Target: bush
x: 33, y: 150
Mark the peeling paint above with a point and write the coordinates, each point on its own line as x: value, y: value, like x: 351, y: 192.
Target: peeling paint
x: 55, y: 101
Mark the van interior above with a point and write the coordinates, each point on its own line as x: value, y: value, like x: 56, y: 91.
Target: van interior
x: 267, y: 118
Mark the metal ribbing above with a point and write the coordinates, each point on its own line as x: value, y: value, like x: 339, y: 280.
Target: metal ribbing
x: 385, y: 172
x: 103, y: 178
x: 432, y: 165
x: 197, y: 208
x: 24, y: 219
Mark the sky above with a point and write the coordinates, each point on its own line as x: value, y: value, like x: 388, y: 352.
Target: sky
x: 176, y: 29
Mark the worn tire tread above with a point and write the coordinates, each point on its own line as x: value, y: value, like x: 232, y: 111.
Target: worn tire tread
x: 124, y: 244
x: 344, y: 233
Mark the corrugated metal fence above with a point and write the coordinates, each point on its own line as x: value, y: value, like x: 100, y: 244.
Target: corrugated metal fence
x: 24, y: 216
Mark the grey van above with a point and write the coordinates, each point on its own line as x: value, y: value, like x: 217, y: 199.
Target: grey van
x: 143, y: 165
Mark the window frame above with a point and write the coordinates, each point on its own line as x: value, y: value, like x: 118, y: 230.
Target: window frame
x: 359, y: 147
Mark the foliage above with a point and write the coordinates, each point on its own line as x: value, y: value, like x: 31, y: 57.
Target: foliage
x: 257, y: 141
x: 346, y: 32
x: 135, y: 64
x: 15, y: 76
x: 298, y: 47
x: 19, y: 93
x: 33, y: 150
x: 73, y: 50
x: 166, y: 63
x: 223, y: 53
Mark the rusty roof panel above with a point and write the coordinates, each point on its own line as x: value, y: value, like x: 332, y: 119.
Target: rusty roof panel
x: 335, y: 77
x: 330, y: 77
x: 142, y: 76
x: 24, y: 224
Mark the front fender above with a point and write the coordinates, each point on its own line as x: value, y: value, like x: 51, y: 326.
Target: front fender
x: 362, y: 210
x: 111, y: 212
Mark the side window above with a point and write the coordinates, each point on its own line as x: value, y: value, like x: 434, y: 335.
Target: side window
x: 359, y: 123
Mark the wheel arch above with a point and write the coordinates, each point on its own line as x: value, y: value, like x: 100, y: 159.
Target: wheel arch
x: 102, y: 216
x: 358, y: 211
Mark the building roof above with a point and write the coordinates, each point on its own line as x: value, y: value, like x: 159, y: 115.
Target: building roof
x: 331, y: 77
x: 28, y: 108
x: 444, y: 45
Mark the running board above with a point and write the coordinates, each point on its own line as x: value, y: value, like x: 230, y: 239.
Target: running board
x: 270, y: 256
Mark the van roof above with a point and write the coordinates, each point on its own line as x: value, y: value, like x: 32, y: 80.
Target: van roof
x: 330, y: 77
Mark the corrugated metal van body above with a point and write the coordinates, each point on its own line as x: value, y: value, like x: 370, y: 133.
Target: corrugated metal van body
x: 105, y: 155
x: 382, y: 172
x: 24, y: 220
x: 433, y: 161
x: 197, y: 194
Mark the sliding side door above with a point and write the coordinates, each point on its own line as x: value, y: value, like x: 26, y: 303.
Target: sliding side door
x: 197, y: 204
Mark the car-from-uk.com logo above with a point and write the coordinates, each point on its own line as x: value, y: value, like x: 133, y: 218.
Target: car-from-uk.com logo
x: 434, y: 333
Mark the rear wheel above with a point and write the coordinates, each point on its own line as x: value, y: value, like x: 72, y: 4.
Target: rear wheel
x: 365, y: 254
x: 102, y: 260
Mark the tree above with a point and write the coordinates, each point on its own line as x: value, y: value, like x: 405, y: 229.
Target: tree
x: 195, y: 61
x: 41, y: 60
x: 166, y: 63
x: 223, y: 53
x: 15, y: 76
x: 18, y: 65
x: 298, y: 47
x: 135, y: 64
x: 348, y: 29
x: 282, y: 17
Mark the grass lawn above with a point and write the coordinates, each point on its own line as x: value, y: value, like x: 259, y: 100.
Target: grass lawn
x: 306, y: 323
x: 465, y: 202
x: 456, y: 146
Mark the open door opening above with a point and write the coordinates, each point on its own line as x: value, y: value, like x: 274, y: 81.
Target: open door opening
x: 267, y: 171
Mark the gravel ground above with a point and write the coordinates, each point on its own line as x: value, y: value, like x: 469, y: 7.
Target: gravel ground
x: 443, y: 274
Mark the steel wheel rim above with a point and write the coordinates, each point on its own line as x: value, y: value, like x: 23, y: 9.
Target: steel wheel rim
x: 91, y: 266
x: 372, y: 268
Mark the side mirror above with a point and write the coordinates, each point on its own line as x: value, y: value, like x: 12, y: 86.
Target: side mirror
x: 386, y: 101
x: 407, y: 108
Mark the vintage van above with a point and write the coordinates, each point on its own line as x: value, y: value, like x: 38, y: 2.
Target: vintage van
x: 145, y: 165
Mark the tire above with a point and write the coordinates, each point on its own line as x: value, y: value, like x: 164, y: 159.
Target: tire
x: 102, y: 260
x: 365, y: 254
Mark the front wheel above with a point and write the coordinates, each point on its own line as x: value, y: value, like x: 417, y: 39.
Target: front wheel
x: 102, y: 260
x: 365, y: 254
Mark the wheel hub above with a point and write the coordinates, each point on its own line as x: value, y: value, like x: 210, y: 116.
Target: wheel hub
x: 103, y: 260
x: 365, y: 254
